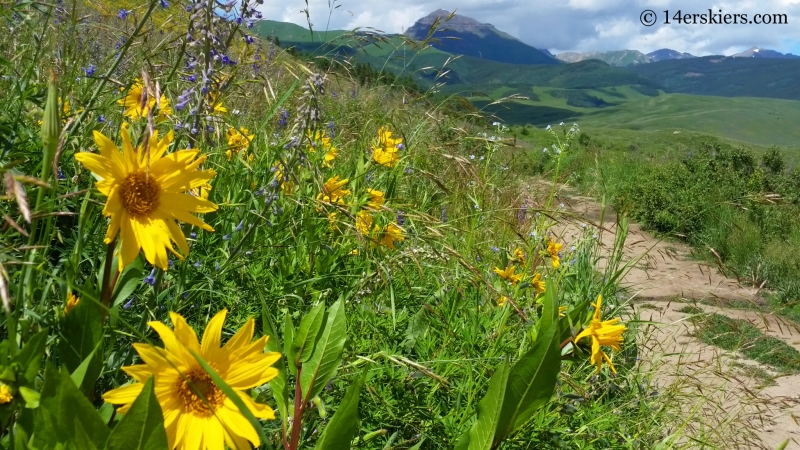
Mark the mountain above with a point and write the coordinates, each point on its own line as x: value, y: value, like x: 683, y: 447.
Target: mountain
x: 619, y: 58
x: 462, y: 35
x: 726, y: 76
x: 758, y: 52
x: 666, y: 53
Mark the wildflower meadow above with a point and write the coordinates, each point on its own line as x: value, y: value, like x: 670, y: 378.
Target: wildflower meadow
x: 211, y: 243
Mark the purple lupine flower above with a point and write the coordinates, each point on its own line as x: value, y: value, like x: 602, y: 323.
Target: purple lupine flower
x: 401, y: 218
x: 102, y: 118
x: 123, y: 14
x: 128, y: 304
x: 61, y: 175
x: 198, y: 264
x: 90, y: 70
x: 239, y: 227
x: 193, y: 235
x: 332, y: 129
x: 151, y: 279
x: 164, y: 4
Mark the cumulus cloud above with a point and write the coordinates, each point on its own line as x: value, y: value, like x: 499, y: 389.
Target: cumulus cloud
x: 571, y: 25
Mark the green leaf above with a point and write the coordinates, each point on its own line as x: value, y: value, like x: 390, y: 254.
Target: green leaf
x: 288, y: 338
x: 574, y: 317
x: 344, y: 424
x: 532, y: 379
x: 327, y: 354
x: 307, y: 333
x: 30, y: 357
x: 81, y: 331
x: 65, y: 418
x: 30, y: 396
x: 481, y: 435
x: 128, y: 281
x: 142, y: 427
x: 87, y: 373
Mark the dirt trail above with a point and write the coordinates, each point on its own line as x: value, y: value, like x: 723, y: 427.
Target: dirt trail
x: 715, y: 388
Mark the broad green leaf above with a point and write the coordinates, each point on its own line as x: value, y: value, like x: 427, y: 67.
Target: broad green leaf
x: 87, y: 373
x: 481, y: 435
x: 129, y: 280
x: 81, y: 331
x: 31, y: 397
x: 65, y: 418
x: 307, y: 333
x: 288, y: 338
x: 532, y: 379
x: 417, y: 327
x: 327, y: 354
x: 142, y: 427
x: 29, y: 357
x: 341, y: 430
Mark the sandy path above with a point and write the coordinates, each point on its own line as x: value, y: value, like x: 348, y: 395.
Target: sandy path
x: 718, y: 398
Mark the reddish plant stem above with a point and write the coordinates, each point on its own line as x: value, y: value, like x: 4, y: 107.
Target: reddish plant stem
x: 298, y: 411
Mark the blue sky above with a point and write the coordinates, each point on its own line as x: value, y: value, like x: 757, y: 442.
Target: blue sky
x: 569, y: 25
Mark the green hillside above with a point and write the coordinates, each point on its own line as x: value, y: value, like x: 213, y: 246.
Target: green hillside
x: 729, y: 77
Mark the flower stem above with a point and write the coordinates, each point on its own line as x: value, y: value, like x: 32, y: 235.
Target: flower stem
x: 298, y: 411
x: 108, y: 285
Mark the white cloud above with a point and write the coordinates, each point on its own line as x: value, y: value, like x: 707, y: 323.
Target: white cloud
x: 574, y: 25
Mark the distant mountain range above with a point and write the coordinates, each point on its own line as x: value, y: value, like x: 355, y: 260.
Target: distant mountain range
x: 464, y: 35
x: 490, y: 60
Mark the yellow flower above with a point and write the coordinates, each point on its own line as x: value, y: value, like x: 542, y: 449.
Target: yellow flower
x: 287, y: 186
x: 354, y: 251
x: 5, y: 394
x: 377, y: 198
x: 333, y: 191
x: 519, y: 256
x: 332, y: 221
x: 386, y: 151
x: 72, y: 301
x: 391, y: 234
x: 238, y: 140
x: 197, y: 414
x: 508, y: 274
x: 215, y: 103
x: 538, y: 283
x: 330, y: 155
x: 132, y: 102
x: 502, y: 300
x: 553, y: 248
x: 561, y: 311
x: 602, y: 333
x: 147, y: 194
x: 364, y: 222
x: 385, y: 157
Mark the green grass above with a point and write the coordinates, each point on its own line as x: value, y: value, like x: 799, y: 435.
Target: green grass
x: 740, y: 335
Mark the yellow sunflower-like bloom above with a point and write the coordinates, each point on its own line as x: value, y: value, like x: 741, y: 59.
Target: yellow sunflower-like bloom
x: 391, y: 234
x: 508, y: 274
x: 238, y: 140
x: 333, y: 191
x: 72, y: 301
x: 364, y: 222
x: 209, y: 420
x: 553, y: 248
x: 519, y: 255
x: 319, y: 137
x: 602, y: 333
x: 147, y: 192
x: 386, y: 152
x: 5, y: 394
x: 538, y: 283
x: 132, y: 102
x: 330, y: 155
x: 376, y: 198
